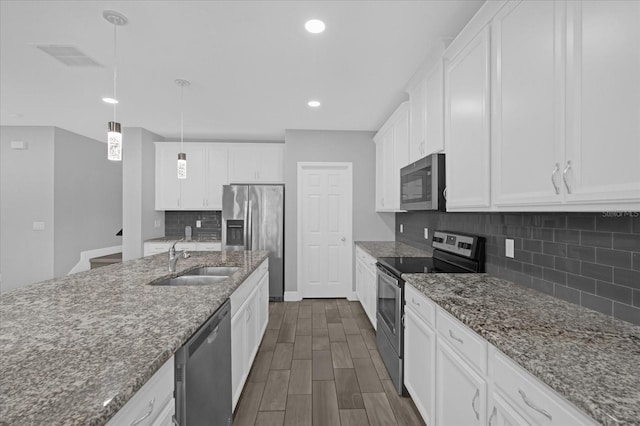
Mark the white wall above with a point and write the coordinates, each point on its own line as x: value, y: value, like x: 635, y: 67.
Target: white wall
x: 87, y: 199
x: 26, y: 195
x: 333, y: 146
x: 138, y: 191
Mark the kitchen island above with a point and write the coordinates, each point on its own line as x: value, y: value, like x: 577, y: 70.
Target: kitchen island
x: 75, y: 349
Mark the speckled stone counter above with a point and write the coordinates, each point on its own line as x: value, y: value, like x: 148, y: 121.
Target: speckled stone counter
x: 587, y: 357
x: 180, y: 239
x: 75, y: 349
x: 391, y: 249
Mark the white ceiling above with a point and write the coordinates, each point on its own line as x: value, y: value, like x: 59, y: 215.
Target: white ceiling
x: 251, y: 64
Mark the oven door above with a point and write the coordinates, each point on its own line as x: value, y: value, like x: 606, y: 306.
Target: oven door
x: 390, y: 308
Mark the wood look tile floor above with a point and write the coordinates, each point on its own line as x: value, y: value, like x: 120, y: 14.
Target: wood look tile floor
x: 318, y: 365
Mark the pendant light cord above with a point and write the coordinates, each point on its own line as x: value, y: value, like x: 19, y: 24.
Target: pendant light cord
x: 115, y: 68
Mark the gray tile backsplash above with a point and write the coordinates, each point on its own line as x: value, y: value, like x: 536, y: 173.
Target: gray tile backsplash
x: 589, y: 259
x: 175, y: 222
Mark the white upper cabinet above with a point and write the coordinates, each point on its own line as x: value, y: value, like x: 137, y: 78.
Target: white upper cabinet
x: 256, y: 163
x: 392, y: 153
x: 528, y: 111
x: 418, y: 120
x: 206, y: 174
x: 602, y: 158
x: 467, y: 126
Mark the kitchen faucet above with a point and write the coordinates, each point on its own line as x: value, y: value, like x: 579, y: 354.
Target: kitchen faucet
x: 173, y: 258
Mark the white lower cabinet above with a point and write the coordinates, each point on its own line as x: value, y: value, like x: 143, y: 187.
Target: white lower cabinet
x: 461, y: 392
x: 249, y: 317
x: 153, y: 403
x: 366, y: 284
x: 455, y: 377
x: 163, y: 247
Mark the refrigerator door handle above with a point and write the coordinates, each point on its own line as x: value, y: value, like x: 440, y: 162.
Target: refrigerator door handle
x: 246, y: 224
x: 249, y: 244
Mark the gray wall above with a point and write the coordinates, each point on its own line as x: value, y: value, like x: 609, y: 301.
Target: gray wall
x: 26, y: 195
x: 333, y: 146
x: 87, y: 199
x: 590, y: 259
x: 138, y: 191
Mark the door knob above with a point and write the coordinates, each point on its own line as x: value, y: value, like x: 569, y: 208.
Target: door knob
x: 343, y: 239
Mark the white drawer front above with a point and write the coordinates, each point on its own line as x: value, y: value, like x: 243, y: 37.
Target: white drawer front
x: 463, y: 339
x: 368, y: 260
x: 240, y: 295
x: 532, y: 398
x: 155, y: 248
x: 421, y: 304
x: 186, y: 246
x: 150, y: 401
x: 209, y: 246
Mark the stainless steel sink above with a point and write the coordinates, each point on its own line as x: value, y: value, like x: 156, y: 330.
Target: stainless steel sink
x: 207, y: 275
x: 213, y: 271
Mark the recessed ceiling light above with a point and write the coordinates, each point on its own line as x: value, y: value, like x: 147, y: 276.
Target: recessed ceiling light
x: 313, y: 104
x: 110, y: 100
x: 314, y: 26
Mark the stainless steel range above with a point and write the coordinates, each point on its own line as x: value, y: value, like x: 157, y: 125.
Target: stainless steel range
x: 453, y: 253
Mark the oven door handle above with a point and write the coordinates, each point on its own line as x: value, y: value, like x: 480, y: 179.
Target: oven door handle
x: 386, y: 272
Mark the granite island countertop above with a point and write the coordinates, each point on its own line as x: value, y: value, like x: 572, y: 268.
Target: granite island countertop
x: 391, y: 249
x: 73, y: 350
x: 182, y: 240
x: 589, y: 358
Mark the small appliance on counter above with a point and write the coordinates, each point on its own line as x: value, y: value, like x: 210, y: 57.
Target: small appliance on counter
x: 422, y: 184
x: 187, y: 233
x: 253, y: 219
x: 453, y: 253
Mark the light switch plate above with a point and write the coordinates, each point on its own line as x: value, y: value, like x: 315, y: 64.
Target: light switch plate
x: 426, y: 233
x: 508, y: 248
x: 198, y: 224
x: 157, y: 223
x: 401, y: 228
x: 38, y: 226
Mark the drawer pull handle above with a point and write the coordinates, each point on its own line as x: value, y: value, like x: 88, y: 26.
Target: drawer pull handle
x: 456, y: 338
x: 553, y: 178
x: 141, y: 419
x: 415, y: 302
x: 533, y: 406
x: 473, y: 403
x: 493, y: 416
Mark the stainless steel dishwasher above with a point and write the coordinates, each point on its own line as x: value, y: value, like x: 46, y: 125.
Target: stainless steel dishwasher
x: 203, y: 373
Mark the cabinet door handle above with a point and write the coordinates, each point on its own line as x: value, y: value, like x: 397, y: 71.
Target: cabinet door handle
x: 533, y: 406
x: 492, y: 416
x: 473, y: 403
x: 564, y: 176
x: 553, y: 178
x: 141, y: 419
x: 382, y: 201
x: 456, y: 338
x: 444, y: 193
x: 415, y: 302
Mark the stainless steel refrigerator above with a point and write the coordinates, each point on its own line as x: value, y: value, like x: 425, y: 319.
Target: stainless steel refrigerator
x: 253, y: 219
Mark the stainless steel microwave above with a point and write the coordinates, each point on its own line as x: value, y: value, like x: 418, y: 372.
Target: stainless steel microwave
x: 422, y: 184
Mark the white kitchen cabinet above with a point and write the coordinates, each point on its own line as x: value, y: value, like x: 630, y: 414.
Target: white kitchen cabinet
x: 256, y: 163
x: 528, y: 114
x: 461, y: 397
x: 248, y: 323
x: 149, y: 405
x: 151, y: 247
x: 434, y: 139
x: 210, y: 246
x: 366, y: 284
x: 206, y: 174
x: 418, y: 120
x: 165, y: 416
x: 502, y: 413
x: 420, y: 363
x: 602, y: 157
x: 392, y: 153
x: 467, y: 125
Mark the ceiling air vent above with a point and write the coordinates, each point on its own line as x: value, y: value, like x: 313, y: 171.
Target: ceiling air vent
x: 68, y: 55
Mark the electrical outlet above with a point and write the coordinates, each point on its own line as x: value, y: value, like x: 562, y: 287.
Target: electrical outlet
x: 426, y: 233
x: 157, y: 223
x: 401, y: 228
x: 38, y: 226
x: 508, y: 248
x: 198, y: 224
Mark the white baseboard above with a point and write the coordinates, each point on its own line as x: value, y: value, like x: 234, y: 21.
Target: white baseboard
x: 352, y: 297
x: 85, y: 265
x: 292, y: 296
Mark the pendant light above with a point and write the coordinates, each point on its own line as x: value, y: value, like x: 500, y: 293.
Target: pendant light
x: 114, y: 131
x: 182, y: 156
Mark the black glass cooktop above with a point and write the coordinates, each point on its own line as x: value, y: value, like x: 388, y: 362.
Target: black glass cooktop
x: 418, y: 265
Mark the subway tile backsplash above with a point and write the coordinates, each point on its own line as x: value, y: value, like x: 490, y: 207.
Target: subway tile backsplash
x: 176, y: 221
x: 590, y: 259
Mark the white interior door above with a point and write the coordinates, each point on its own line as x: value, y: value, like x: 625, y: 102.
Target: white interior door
x: 324, y: 229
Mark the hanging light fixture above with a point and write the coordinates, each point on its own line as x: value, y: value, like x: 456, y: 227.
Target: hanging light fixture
x: 182, y: 156
x: 114, y: 132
